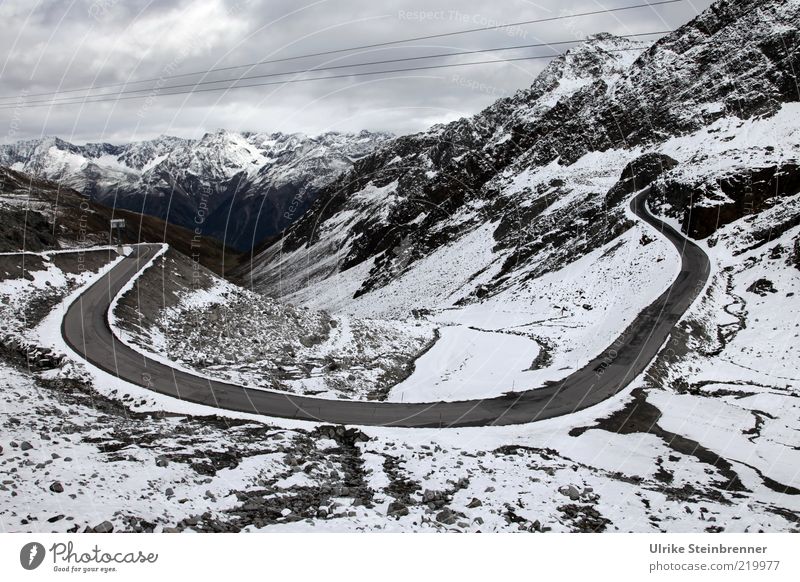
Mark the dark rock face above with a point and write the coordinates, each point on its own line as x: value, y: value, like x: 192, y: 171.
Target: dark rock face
x: 795, y: 258
x: 710, y: 206
x: 234, y: 210
x: 26, y: 230
x: 639, y: 174
x: 245, y: 219
x: 736, y: 58
x: 736, y: 53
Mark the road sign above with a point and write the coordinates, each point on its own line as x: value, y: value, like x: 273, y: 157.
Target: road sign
x: 117, y: 226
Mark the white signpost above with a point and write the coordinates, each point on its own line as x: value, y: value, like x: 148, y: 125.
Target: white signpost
x: 117, y: 226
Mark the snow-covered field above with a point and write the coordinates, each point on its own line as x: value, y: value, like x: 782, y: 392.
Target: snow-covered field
x: 467, y: 363
x: 74, y: 460
x: 720, y: 454
x: 544, y: 329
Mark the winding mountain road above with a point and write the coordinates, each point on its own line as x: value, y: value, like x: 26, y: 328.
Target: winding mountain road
x: 86, y: 330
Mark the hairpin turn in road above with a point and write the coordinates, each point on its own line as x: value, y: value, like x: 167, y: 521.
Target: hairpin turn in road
x: 86, y: 330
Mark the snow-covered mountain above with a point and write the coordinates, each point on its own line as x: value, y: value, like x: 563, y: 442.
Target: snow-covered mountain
x: 486, y: 257
x: 544, y: 172
x: 510, y: 231
x: 238, y: 187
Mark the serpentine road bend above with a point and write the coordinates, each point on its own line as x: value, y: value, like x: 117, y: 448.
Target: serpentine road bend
x: 86, y: 330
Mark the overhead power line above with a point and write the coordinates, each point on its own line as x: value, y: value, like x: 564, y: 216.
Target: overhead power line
x: 354, y: 48
x: 89, y: 100
x: 57, y: 100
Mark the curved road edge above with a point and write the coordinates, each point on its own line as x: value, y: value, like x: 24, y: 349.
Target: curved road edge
x: 86, y: 331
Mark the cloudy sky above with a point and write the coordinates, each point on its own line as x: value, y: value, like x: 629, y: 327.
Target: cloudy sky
x: 63, y: 45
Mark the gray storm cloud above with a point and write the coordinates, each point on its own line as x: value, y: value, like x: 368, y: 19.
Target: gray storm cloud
x: 55, y: 45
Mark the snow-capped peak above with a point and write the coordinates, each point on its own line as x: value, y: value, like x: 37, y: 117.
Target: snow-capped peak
x: 229, y: 166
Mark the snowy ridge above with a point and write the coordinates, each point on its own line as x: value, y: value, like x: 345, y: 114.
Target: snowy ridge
x: 544, y: 167
x: 244, y: 186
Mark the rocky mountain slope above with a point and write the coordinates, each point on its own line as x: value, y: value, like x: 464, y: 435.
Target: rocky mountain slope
x: 38, y: 215
x: 541, y: 166
x: 192, y: 319
x: 239, y: 188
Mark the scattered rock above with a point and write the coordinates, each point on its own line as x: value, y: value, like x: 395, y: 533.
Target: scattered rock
x: 762, y: 287
x: 585, y: 518
x: 474, y: 503
x: 397, y: 509
x: 570, y: 491
x: 57, y: 487
x: 446, y: 516
x: 434, y: 499
x: 25, y: 446
x: 105, y: 527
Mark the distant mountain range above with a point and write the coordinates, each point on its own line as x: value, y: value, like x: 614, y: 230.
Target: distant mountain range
x: 237, y: 187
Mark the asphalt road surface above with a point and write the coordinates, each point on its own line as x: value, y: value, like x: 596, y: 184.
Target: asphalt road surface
x: 85, y: 328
